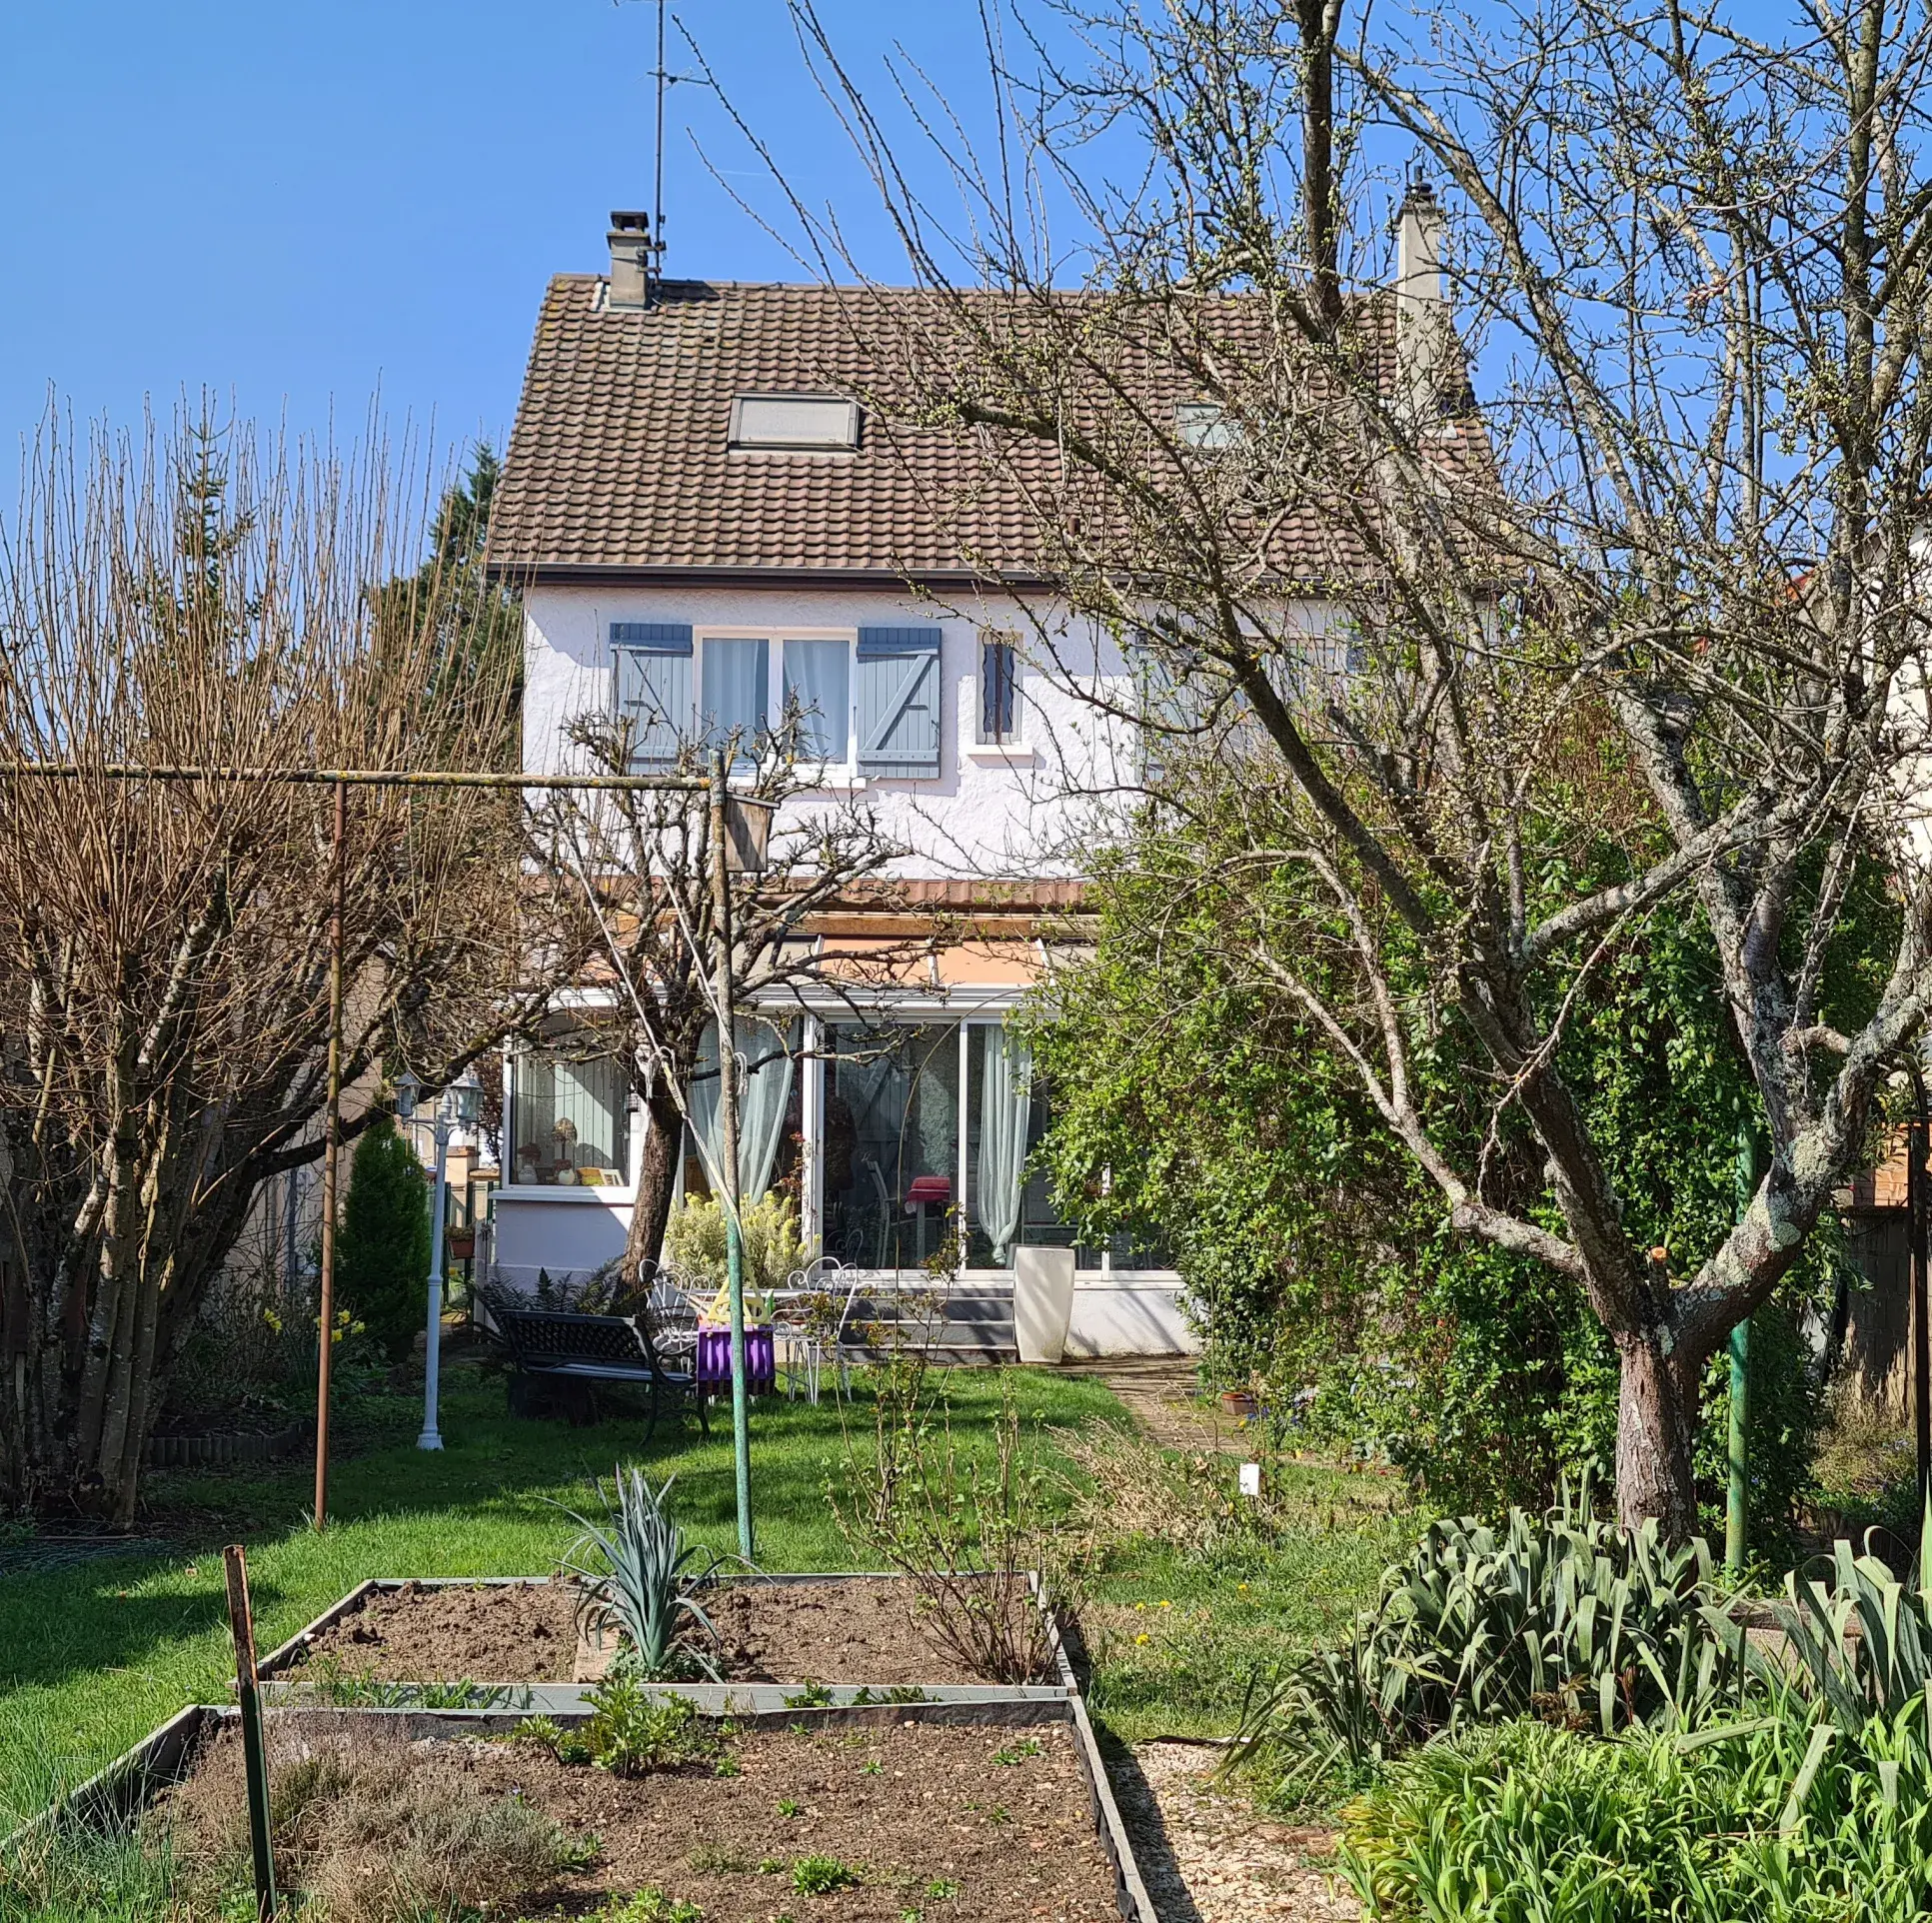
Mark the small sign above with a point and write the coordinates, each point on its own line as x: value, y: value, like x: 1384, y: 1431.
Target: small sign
x: 1251, y: 1478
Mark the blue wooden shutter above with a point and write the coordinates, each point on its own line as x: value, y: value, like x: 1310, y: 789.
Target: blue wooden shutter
x: 899, y: 701
x: 652, y: 687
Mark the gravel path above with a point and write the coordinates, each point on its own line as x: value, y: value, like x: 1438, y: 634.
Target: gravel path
x: 1208, y: 1857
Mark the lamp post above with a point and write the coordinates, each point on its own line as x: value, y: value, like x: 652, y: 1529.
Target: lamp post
x: 459, y: 1103
x: 739, y: 835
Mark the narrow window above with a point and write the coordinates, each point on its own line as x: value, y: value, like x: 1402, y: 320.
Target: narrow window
x: 817, y: 689
x: 997, y: 684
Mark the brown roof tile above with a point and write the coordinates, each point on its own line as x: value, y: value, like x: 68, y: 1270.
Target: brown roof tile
x: 620, y: 459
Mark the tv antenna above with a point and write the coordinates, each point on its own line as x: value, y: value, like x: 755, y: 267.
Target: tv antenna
x: 656, y: 183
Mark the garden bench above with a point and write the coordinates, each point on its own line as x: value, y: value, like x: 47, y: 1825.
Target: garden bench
x: 555, y: 1349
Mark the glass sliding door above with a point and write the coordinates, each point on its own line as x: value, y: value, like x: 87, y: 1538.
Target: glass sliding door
x: 891, y: 1142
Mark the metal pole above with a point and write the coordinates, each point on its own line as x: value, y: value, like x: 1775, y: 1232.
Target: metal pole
x: 727, y: 1114
x: 1737, y: 1508
x: 432, y: 1438
x: 331, y: 1162
x: 241, y: 1626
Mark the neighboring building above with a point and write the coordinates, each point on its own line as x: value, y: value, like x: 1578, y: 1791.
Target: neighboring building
x: 701, y: 525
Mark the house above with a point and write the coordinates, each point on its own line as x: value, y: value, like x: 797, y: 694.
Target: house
x: 703, y: 523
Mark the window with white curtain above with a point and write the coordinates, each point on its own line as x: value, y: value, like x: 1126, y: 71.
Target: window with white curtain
x: 734, y: 696
x: 818, y: 687
x: 570, y: 1119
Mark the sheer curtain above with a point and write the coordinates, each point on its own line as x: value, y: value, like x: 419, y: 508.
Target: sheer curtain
x: 818, y: 678
x: 1005, y: 1098
x: 762, y: 1105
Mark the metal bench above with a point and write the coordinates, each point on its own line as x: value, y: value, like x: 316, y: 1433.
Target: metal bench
x: 573, y: 1353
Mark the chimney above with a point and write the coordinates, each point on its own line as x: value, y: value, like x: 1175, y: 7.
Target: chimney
x: 633, y: 262
x: 1422, y: 303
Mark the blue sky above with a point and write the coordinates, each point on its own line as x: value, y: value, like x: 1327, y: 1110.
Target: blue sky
x: 297, y: 205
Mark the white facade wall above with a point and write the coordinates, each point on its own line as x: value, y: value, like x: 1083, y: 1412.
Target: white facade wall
x: 993, y: 812
x: 1008, y: 812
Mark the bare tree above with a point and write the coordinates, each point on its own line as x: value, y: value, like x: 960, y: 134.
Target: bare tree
x: 644, y: 860
x: 1675, y: 542
x: 207, y: 597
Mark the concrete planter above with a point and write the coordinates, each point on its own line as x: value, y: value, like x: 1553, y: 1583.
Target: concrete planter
x: 1043, y: 1303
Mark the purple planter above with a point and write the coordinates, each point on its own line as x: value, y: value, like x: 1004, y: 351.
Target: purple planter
x: 715, y: 1359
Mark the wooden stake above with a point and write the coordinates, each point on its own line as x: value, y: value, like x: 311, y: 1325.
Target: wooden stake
x: 331, y: 1159
x: 241, y: 1623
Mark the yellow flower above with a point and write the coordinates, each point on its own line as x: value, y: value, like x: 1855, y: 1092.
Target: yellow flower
x: 1165, y: 1603
x: 1240, y: 1589
x: 1140, y: 1606
x: 1141, y: 1637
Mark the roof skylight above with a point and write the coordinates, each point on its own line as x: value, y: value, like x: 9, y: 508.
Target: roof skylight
x: 794, y: 421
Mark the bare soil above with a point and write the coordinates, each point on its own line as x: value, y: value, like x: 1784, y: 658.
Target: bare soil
x: 490, y: 1633
x: 964, y: 1824
x: 860, y: 1631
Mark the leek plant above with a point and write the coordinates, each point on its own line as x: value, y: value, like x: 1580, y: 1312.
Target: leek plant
x: 641, y: 1578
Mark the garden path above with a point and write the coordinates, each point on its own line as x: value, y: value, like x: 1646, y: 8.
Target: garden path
x: 1161, y: 1395
x: 1208, y: 1857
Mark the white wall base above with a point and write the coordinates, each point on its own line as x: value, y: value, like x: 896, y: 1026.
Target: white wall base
x: 1128, y: 1318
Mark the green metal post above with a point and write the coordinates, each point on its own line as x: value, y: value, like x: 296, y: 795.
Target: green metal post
x: 728, y: 1116
x: 241, y: 1623
x: 1737, y: 1511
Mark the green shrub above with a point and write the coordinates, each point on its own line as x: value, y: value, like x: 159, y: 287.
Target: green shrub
x: 694, y: 1241
x: 383, y: 1262
x: 628, y: 1732
x: 1566, y: 1616
x: 1775, y: 1817
x: 641, y: 1578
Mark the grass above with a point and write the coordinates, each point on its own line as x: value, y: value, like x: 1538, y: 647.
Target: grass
x: 1177, y: 1633
x: 94, y: 1656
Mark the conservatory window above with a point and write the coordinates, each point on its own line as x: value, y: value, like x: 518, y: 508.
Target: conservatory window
x: 570, y: 1121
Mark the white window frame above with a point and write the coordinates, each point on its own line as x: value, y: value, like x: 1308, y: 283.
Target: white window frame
x: 836, y: 773
x: 1016, y: 736
x: 613, y: 1194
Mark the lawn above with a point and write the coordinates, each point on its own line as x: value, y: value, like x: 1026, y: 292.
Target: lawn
x: 1176, y: 1633
x: 94, y: 1656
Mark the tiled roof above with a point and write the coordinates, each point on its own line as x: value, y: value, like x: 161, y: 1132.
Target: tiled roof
x: 620, y: 460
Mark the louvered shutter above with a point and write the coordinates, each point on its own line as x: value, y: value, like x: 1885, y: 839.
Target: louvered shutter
x: 652, y: 687
x: 899, y: 701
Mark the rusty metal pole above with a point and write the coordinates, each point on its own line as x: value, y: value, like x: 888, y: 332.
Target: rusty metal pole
x: 1916, y: 1212
x: 331, y: 1159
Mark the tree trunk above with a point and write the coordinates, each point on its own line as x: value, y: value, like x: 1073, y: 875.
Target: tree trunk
x: 657, y: 1182
x: 1656, y: 1420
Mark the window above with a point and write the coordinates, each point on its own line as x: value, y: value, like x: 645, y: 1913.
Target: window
x: 570, y: 1121
x: 998, y: 688
x: 735, y: 698
x: 817, y: 689
x: 794, y: 421
x: 892, y: 1141
x: 1204, y: 424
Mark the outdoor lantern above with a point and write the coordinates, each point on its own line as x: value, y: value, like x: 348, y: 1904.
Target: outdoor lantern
x: 468, y: 1093
x: 408, y: 1091
x: 748, y: 833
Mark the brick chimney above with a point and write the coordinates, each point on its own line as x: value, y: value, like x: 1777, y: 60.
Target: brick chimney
x: 632, y: 260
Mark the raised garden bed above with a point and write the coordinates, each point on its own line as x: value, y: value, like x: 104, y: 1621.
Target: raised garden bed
x: 961, y: 1813
x: 850, y: 1633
